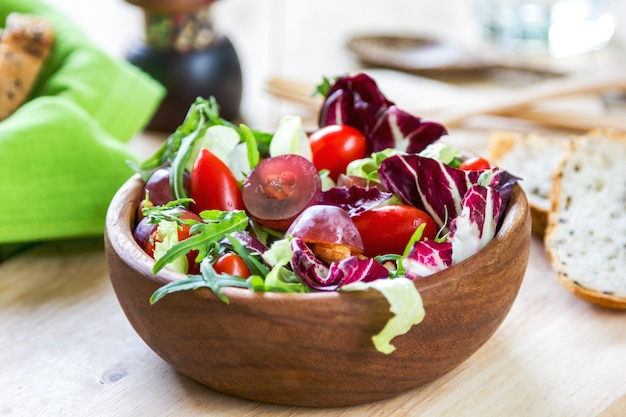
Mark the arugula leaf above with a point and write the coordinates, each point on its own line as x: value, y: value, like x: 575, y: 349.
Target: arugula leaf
x: 178, y: 148
x: 324, y: 86
x: 217, y: 224
x: 199, y: 111
x: 182, y: 157
x: 251, y: 145
x: 208, y: 279
x: 415, y: 237
x: 256, y: 267
x: 167, y: 211
x: 191, y: 283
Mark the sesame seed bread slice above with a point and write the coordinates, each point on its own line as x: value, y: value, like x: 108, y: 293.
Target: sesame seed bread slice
x: 533, y: 158
x: 586, y: 235
x: 25, y: 44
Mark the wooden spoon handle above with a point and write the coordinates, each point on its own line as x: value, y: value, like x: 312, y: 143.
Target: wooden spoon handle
x: 520, y: 100
x: 294, y: 91
x: 516, y: 104
x: 575, y: 121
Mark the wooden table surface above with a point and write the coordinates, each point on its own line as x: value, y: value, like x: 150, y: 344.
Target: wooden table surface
x: 66, y: 348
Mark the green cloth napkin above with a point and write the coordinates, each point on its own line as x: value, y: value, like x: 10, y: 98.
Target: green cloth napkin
x: 63, y: 153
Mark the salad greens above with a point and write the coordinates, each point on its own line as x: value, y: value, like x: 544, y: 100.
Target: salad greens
x: 318, y: 276
x: 358, y: 102
x: 405, y: 303
x: 290, y: 137
x: 208, y: 279
x: 180, y: 150
x: 216, y: 226
x: 405, y: 163
x: 280, y: 278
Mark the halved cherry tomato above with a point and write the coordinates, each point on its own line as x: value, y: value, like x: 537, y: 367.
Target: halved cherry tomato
x: 183, y: 233
x: 388, y: 229
x: 335, y: 146
x: 475, y: 164
x: 232, y: 264
x: 212, y: 185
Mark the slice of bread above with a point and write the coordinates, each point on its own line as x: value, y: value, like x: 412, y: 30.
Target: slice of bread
x: 533, y: 158
x: 586, y: 235
x: 25, y: 43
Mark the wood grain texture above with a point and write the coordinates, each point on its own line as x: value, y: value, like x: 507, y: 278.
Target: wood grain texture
x: 69, y: 350
x: 316, y: 349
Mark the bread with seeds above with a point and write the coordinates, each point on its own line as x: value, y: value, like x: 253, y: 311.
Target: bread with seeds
x: 532, y: 157
x: 586, y: 235
x: 25, y: 44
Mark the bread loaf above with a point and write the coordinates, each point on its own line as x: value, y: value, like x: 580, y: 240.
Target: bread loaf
x: 586, y: 235
x: 25, y: 44
x: 533, y: 158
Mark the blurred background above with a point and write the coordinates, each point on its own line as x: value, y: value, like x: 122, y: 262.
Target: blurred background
x: 303, y: 40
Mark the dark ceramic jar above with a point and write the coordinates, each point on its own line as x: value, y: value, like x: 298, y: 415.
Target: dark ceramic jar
x: 184, y: 52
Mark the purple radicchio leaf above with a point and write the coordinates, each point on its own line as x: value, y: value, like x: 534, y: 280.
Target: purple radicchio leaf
x: 248, y: 241
x: 425, y: 183
x: 398, y: 129
x: 426, y: 258
x: 437, y: 188
x: 321, y: 277
x: 354, y: 199
x: 499, y: 180
x: 357, y: 101
x: 477, y: 223
x: 348, y: 180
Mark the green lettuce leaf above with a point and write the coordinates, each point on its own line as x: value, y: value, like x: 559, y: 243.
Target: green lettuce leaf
x: 168, y: 236
x: 290, y: 138
x: 442, y: 152
x: 405, y: 303
x: 281, y: 278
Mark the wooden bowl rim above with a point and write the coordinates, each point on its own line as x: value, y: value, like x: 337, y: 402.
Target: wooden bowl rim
x: 121, y: 216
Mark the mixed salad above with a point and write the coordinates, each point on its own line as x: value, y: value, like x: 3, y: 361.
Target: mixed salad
x: 372, y: 199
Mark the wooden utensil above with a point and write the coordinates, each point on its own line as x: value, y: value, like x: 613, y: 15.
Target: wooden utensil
x: 294, y: 91
x: 517, y: 104
x: 438, y: 58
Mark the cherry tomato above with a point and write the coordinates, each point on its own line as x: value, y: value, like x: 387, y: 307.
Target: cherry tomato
x: 212, y: 185
x: 277, y: 190
x: 183, y: 233
x: 335, y: 146
x: 231, y: 264
x: 388, y: 229
x: 475, y: 164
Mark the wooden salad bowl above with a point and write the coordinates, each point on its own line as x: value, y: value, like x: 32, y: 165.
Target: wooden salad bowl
x: 315, y: 349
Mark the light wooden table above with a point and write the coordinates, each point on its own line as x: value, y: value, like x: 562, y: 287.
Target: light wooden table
x: 66, y: 348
